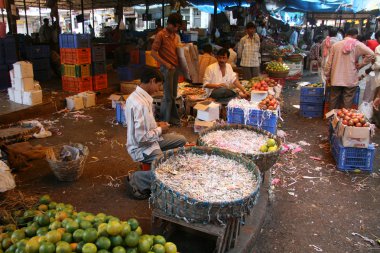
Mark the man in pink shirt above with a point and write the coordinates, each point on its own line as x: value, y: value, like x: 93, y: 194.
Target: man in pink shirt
x: 341, y: 68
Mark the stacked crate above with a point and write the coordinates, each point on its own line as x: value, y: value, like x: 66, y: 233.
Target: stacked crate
x: 75, y: 52
x: 8, y: 56
x: 133, y: 70
x: 99, y: 70
x: 39, y: 56
x: 311, y: 102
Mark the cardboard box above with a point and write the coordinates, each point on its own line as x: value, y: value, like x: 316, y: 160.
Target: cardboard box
x: 11, y: 94
x: 18, y: 96
x: 257, y: 96
x: 23, y: 69
x: 89, y: 98
x: 128, y: 87
x: 32, y: 97
x: 24, y: 84
x: 207, y: 111
x: 200, y: 125
x: 12, y: 76
x: 74, y: 103
x: 116, y: 98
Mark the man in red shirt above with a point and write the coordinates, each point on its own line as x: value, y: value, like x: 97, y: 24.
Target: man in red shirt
x: 164, y: 50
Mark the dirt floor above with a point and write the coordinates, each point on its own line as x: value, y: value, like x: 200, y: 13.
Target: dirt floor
x: 313, y: 208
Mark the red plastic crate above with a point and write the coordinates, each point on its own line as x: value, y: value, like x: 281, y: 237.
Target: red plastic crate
x: 100, y: 82
x: 76, y: 55
x: 76, y: 84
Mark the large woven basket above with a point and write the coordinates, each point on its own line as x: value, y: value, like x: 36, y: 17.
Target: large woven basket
x: 294, y: 58
x: 278, y: 74
x: 263, y: 160
x: 66, y: 170
x: 179, y: 205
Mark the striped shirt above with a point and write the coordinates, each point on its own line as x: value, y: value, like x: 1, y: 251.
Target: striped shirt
x: 142, y: 133
x: 249, y: 51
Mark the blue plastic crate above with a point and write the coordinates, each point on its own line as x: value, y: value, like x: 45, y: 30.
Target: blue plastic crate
x: 350, y: 159
x: 309, y: 91
x: 41, y: 64
x: 99, y: 68
x: 74, y: 41
x: 262, y: 118
x: 127, y: 73
x: 120, y: 116
x: 312, y: 99
x: 311, y: 107
x: 10, y: 50
x: 42, y: 75
x: 5, y: 80
x: 235, y: 116
x: 37, y: 52
x: 311, y: 114
x: 98, y: 53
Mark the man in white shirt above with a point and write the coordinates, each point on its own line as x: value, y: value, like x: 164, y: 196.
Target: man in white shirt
x: 220, y: 79
x: 146, y: 138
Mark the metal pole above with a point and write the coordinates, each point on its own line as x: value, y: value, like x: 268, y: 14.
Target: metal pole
x: 39, y: 10
x: 93, y: 14
x: 71, y: 21
x: 26, y: 19
x: 163, y: 13
x: 82, y: 9
x: 147, y: 12
x: 2, y: 15
x: 215, y: 18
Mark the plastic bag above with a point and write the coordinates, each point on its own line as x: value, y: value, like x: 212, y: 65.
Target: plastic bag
x: 367, y: 109
x: 70, y: 153
x: 7, y: 182
x: 369, y: 91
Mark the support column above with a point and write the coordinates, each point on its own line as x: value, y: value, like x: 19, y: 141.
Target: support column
x: 146, y: 12
x: 82, y: 10
x: 11, y: 19
x: 215, y: 19
x: 39, y: 10
x: 163, y: 13
x: 71, y: 20
x: 93, y: 14
x: 26, y: 19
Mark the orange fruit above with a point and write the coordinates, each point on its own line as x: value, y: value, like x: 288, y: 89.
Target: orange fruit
x: 119, y: 249
x: 78, y: 235
x: 144, y: 245
x: 116, y: 240
x: 90, y: 235
x: 73, y: 246
x: 43, y: 220
x: 114, y: 227
x: 85, y: 224
x: 44, y: 199
x: 132, y: 239
x: 32, y: 246
x: 6, y: 243
x: 126, y: 228
x: 17, y: 235
x: 63, y: 247
x: 47, y: 247
x: 170, y: 247
x: 138, y: 230
x: 133, y: 223
x: 53, y: 236
x: 71, y: 226
x: 158, y: 248
x: 89, y: 248
x: 102, y: 229
x: 103, y: 243
x: 67, y: 237
x: 159, y: 239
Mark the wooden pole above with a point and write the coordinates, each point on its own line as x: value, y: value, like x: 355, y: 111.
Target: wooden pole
x: 71, y: 23
x: 82, y: 9
x: 26, y: 19
x: 93, y: 14
x: 11, y: 20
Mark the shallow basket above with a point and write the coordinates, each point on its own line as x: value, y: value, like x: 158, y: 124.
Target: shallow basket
x: 263, y: 160
x: 278, y: 74
x: 66, y: 170
x: 179, y: 205
x: 294, y: 58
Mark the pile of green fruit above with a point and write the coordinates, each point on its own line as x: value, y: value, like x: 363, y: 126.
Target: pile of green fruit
x: 270, y: 146
x: 57, y: 228
x: 315, y: 85
x: 276, y: 66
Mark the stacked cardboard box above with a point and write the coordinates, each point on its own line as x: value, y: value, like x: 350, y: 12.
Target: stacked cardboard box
x: 207, y: 115
x: 24, y: 90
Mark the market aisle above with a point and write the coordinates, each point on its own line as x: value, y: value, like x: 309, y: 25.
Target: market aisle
x: 314, y: 207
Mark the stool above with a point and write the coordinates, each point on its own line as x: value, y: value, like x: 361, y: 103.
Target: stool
x: 314, y: 65
x: 226, y: 234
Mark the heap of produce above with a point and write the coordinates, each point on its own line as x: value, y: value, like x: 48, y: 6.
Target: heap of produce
x: 352, y: 118
x: 207, y: 178
x: 277, y: 66
x: 239, y: 141
x: 269, y: 103
x: 270, y: 146
x: 57, y: 228
x: 283, y: 51
x: 261, y: 83
x: 314, y: 85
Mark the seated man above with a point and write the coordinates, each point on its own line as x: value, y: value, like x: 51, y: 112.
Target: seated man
x: 146, y: 139
x: 220, y: 79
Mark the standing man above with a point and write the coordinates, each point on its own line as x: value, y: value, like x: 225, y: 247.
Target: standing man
x: 164, y: 50
x: 293, y: 40
x: 249, y: 52
x: 45, y: 32
x: 341, y: 68
x: 326, y: 47
x: 146, y: 139
x: 220, y: 79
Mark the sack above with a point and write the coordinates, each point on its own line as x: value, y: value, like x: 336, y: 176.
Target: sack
x: 369, y: 91
x: 367, y: 109
x: 7, y: 182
